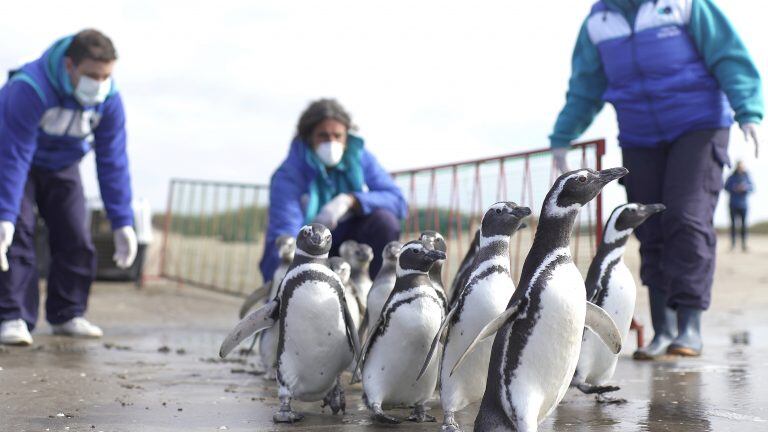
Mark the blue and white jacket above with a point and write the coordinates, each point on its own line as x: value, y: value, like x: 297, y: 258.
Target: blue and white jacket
x: 667, y: 66
x: 289, y: 192
x: 44, y: 126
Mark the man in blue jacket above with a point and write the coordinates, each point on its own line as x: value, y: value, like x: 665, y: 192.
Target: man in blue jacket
x: 329, y: 177
x: 739, y: 185
x: 52, y: 112
x: 675, y: 71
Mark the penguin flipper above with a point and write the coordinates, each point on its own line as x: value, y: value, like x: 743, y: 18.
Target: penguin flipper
x: 489, y: 330
x: 351, y: 331
x: 438, y: 337
x: 254, y: 297
x: 598, y: 320
x: 363, y: 326
x: 356, y: 372
x: 260, y: 319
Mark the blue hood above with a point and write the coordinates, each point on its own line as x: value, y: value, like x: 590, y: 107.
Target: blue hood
x: 53, y: 60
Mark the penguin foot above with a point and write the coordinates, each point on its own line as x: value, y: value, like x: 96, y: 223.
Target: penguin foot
x: 336, y: 400
x: 287, y: 417
x: 593, y: 389
x: 607, y: 400
x: 419, y: 415
x: 381, y: 417
x: 452, y: 427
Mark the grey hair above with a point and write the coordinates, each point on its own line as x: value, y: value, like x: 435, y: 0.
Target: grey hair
x: 319, y: 110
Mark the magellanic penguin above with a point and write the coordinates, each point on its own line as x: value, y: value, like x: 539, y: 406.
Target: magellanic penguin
x: 611, y: 286
x: 267, y: 340
x: 382, y: 286
x: 436, y: 273
x: 485, y: 296
x: 539, y: 335
x: 401, y: 339
x: 462, y: 274
x: 359, y: 256
x: 317, y: 337
x: 342, y: 268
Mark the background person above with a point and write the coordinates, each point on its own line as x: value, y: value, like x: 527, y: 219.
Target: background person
x: 674, y: 70
x: 329, y: 177
x: 52, y: 112
x: 739, y: 185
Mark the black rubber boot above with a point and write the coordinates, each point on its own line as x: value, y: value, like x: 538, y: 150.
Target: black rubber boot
x: 664, y: 321
x: 688, y: 342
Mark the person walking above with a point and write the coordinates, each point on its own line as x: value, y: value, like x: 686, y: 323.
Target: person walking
x: 675, y: 71
x: 739, y: 185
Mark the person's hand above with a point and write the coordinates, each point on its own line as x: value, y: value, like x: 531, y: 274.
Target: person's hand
x: 334, y: 210
x: 559, y: 154
x: 750, y: 134
x: 6, y: 237
x: 126, y: 246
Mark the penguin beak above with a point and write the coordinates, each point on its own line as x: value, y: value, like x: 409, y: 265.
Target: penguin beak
x: 610, y: 174
x: 652, y: 209
x: 521, y: 212
x: 316, y: 239
x: 436, y: 255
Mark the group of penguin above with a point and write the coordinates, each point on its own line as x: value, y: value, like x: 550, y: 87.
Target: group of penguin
x: 553, y: 331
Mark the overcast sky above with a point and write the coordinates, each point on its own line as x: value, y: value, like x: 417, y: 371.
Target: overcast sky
x: 214, y: 89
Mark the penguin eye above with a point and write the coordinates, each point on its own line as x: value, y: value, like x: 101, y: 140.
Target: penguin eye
x: 305, y: 233
x: 582, y: 179
x: 498, y: 211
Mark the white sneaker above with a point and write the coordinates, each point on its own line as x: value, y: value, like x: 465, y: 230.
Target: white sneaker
x: 15, y: 332
x: 77, y: 327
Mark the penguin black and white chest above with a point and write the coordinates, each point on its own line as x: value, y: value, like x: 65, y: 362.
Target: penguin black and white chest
x: 383, y: 284
x: 462, y: 274
x: 485, y: 296
x: 401, y: 339
x: 538, y: 336
x: 359, y: 256
x: 437, y: 241
x: 611, y: 286
x: 342, y: 268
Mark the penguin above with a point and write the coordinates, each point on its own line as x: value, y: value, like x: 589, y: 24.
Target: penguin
x: 436, y: 272
x: 286, y: 246
x: 611, y: 286
x: 267, y: 340
x: 485, y: 296
x: 382, y: 286
x: 401, y: 339
x: 317, y: 338
x: 359, y: 256
x: 538, y: 336
x: 344, y: 270
x: 462, y: 274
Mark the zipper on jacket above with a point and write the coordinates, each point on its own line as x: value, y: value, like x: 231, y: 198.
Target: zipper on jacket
x: 648, y: 99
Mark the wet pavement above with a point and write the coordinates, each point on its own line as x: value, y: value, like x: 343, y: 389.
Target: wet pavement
x: 156, y: 370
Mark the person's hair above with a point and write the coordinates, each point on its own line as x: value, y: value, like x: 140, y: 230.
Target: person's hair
x: 318, y: 111
x: 91, y: 44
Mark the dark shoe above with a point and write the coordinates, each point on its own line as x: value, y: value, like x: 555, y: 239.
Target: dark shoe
x: 688, y: 341
x: 664, y: 328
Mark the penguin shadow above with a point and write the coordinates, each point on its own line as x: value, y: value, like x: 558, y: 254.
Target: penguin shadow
x: 676, y: 402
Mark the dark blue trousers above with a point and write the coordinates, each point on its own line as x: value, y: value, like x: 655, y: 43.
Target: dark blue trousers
x: 677, y: 247
x: 376, y: 230
x: 61, y: 203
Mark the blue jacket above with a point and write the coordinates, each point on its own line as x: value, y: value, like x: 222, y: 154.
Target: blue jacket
x: 667, y: 66
x: 738, y: 198
x: 42, y: 125
x: 289, y: 189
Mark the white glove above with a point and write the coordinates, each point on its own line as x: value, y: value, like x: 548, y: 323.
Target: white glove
x: 559, y: 154
x: 6, y: 237
x: 333, y: 211
x: 750, y: 134
x: 126, y: 246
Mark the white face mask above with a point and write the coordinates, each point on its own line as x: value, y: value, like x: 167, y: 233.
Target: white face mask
x: 92, y: 92
x: 330, y: 153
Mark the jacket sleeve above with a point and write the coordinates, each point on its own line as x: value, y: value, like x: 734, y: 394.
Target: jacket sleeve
x: 112, y: 163
x: 584, y: 99
x: 729, y: 183
x: 22, y: 112
x: 286, y: 215
x: 382, y: 192
x: 727, y: 59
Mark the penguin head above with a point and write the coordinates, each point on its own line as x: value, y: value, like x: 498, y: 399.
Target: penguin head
x: 314, y: 240
x: 576, y: 188
x: 435, y: 239
x: 391, y: 251
x: 418, y: 256
x: 347, y: 250
x: 627, y: 217
x: 363, y: 254
x: 341, y: 268
x: 286, y: 247
x: 503, y: 219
